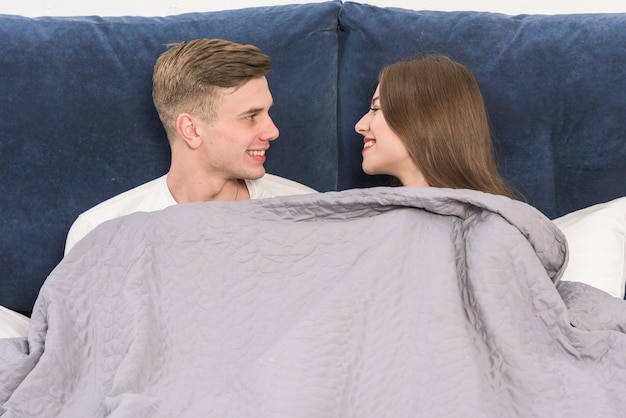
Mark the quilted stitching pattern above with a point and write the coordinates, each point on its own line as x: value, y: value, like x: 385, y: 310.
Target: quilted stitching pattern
x: 364, y: 303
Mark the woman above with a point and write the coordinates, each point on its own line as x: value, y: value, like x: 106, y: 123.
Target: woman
x: 427, y: 126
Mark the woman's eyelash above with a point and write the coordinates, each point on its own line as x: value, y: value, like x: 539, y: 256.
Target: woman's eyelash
x: 374, y: 109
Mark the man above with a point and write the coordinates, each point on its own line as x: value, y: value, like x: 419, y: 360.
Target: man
x: 213, y: 99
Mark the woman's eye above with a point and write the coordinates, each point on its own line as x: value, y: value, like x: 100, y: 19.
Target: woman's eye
x: 374, y: 109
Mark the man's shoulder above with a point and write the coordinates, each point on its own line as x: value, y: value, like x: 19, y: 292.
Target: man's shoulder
x: 151, y: 196
x: 271, y: 185
x: 146, y: 197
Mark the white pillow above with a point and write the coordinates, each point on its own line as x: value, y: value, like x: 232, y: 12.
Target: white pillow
x: 596, y: 237
x: 12, y: 324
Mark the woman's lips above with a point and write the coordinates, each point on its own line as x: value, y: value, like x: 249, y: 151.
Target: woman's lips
x: 368, y: 143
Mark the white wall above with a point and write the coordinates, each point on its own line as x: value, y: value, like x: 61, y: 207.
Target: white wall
x: 169, y: 7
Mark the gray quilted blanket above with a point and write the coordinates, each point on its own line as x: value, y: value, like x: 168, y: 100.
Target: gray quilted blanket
x: 384, y: 302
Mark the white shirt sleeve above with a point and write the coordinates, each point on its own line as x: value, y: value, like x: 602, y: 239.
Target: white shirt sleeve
x: 81, y: 227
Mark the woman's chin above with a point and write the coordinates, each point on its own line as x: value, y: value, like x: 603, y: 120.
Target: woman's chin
x: 368, y: 171
x: 372, y: 171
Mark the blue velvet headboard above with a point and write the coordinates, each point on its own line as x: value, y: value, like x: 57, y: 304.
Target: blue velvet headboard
x: 77, y: 123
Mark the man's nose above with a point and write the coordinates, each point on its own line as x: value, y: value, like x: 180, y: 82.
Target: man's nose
x: 271, y: 132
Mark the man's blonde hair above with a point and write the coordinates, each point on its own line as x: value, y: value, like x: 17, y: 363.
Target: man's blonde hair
x: 187, y: 76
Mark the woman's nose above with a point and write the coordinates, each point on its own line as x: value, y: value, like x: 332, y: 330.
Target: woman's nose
x: 361, y: 125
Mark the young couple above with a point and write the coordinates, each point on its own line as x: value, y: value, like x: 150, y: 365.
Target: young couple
x: 427, y: 126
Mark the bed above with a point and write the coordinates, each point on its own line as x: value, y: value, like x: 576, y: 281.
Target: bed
x: 359, y: 301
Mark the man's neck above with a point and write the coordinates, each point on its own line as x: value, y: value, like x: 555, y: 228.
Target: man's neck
x: 205, y: 190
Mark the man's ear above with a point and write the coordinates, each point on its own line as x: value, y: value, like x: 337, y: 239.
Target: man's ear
x: 187, y: 130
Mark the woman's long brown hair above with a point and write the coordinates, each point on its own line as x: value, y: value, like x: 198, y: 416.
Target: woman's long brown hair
x: 434, y: 104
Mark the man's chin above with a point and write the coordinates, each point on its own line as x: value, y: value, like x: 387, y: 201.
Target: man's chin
x: 255, y: 174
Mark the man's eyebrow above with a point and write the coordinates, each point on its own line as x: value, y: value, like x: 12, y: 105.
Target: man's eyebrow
x: 256, y: 109
x: 252, y: 110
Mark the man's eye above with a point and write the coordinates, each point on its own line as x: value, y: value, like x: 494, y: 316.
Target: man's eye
x: 251, y: 117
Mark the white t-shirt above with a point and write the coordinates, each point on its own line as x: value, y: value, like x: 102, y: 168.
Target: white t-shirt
x: 155, y: 195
